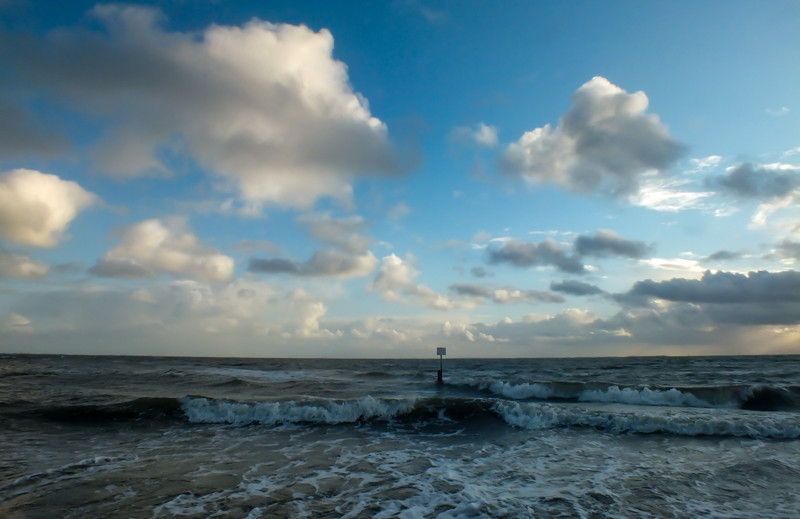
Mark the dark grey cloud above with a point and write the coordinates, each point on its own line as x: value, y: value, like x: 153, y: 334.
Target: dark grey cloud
x: 604, y: 143
x: 608, y: 243
x: 604, y: 243
x: 273, y: 266
x: 760, y: 182
x: 323, y: 263
x: 724, y: 255
x: 21, y: 135
x: 479, y: 272
x: 575, y: 288
x: 760, y: 287
x: 523, y: 254
x: 749, y: 314
x: 339, y: 263
x: 467, y: 289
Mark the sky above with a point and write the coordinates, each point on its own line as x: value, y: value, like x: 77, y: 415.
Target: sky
x: 378, y: 179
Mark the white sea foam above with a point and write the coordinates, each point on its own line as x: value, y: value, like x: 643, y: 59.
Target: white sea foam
x: 687, y: 422
x: 646, y: 396
x: 521, y: 391
x: 613, y: 394
x: 321, y: 411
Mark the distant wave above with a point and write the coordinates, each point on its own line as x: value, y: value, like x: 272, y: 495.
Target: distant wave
x: 373, y: 374
x: 754, y: 398
x: 443, y: 412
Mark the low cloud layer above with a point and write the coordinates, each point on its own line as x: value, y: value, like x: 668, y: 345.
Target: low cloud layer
x: 193, y: 317
x: 263, y: 106
x: 15, y: 265
x: 36, y: 208
x: 150, y: 248
x: 723, y: 298
x: 604, y: 143
x: 789, y: 249
x: 505, y: 294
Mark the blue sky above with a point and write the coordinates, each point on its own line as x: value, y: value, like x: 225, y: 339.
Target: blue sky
x: 375, y: 179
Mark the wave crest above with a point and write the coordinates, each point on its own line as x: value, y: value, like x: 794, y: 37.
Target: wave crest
x: 754, y: 398
x: 208, y: 410
x: 535, y: 416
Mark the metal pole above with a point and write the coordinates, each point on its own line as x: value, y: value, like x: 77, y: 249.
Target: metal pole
x: 441, y: 352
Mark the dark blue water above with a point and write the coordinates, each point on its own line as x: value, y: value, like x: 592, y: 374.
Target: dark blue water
x: 614, y: 437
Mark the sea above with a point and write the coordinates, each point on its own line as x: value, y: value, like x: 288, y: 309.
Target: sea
x: 645, y: 437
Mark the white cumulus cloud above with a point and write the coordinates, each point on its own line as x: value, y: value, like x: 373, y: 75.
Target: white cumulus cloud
x: 265, y: 107
x: 604, y: 143
x: 149, y: 248
x: 36, y: 207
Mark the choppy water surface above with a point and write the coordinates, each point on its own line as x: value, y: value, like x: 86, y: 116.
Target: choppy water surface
x: 117, y: 437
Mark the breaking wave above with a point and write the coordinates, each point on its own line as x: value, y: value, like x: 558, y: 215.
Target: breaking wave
x: 530, y: 415
x: 754, y: 398
x: 209, y: 410
x: 443, y: 413
x: 463, y: 412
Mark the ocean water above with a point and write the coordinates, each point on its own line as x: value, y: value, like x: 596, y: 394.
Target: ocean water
x: 144, y: 437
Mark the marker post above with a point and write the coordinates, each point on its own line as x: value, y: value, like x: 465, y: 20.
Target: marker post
x: 441, y: 352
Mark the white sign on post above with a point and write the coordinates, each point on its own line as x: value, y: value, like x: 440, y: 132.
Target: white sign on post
x: 441, y: 351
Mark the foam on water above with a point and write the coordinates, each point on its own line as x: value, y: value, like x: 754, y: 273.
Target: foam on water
x: 555, y: 474
x: 317, y: 411
x: 616, y: 438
